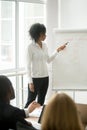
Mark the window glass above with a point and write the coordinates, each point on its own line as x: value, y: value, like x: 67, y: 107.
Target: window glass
x: 7, y: 29
x: 29, y: 13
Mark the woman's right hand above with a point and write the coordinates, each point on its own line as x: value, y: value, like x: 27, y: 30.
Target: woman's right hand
x: 31, y: 86
x: 61, y: 47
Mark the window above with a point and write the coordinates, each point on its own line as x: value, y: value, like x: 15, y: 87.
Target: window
x: 16, y: 16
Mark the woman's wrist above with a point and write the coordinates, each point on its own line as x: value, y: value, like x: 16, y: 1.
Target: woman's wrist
x: 58, y: 50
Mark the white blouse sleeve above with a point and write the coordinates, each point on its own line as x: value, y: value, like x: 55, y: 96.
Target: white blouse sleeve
x: 28, y: 62
x: 52, y: 57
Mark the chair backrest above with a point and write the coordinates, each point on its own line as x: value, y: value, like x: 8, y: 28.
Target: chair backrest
x: 82, y: 108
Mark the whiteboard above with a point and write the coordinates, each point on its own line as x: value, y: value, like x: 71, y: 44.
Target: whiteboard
x: 69, y: 68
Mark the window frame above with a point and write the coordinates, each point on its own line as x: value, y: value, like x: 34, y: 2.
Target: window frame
x: 29, y: 1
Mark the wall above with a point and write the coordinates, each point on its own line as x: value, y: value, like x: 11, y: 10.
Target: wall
x: 73, y: 13
x: 52, y: 22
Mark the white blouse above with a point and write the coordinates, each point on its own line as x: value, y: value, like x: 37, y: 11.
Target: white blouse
x: 37, y: 59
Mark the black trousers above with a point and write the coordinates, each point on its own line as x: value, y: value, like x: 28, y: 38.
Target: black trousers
x: 40, y: 90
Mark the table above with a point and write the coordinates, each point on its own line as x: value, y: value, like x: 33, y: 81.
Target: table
x: 31, y: 118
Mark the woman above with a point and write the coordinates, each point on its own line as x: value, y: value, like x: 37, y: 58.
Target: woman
x: 61, y: 114
x: 37, y: 59
x: 10, y: 115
